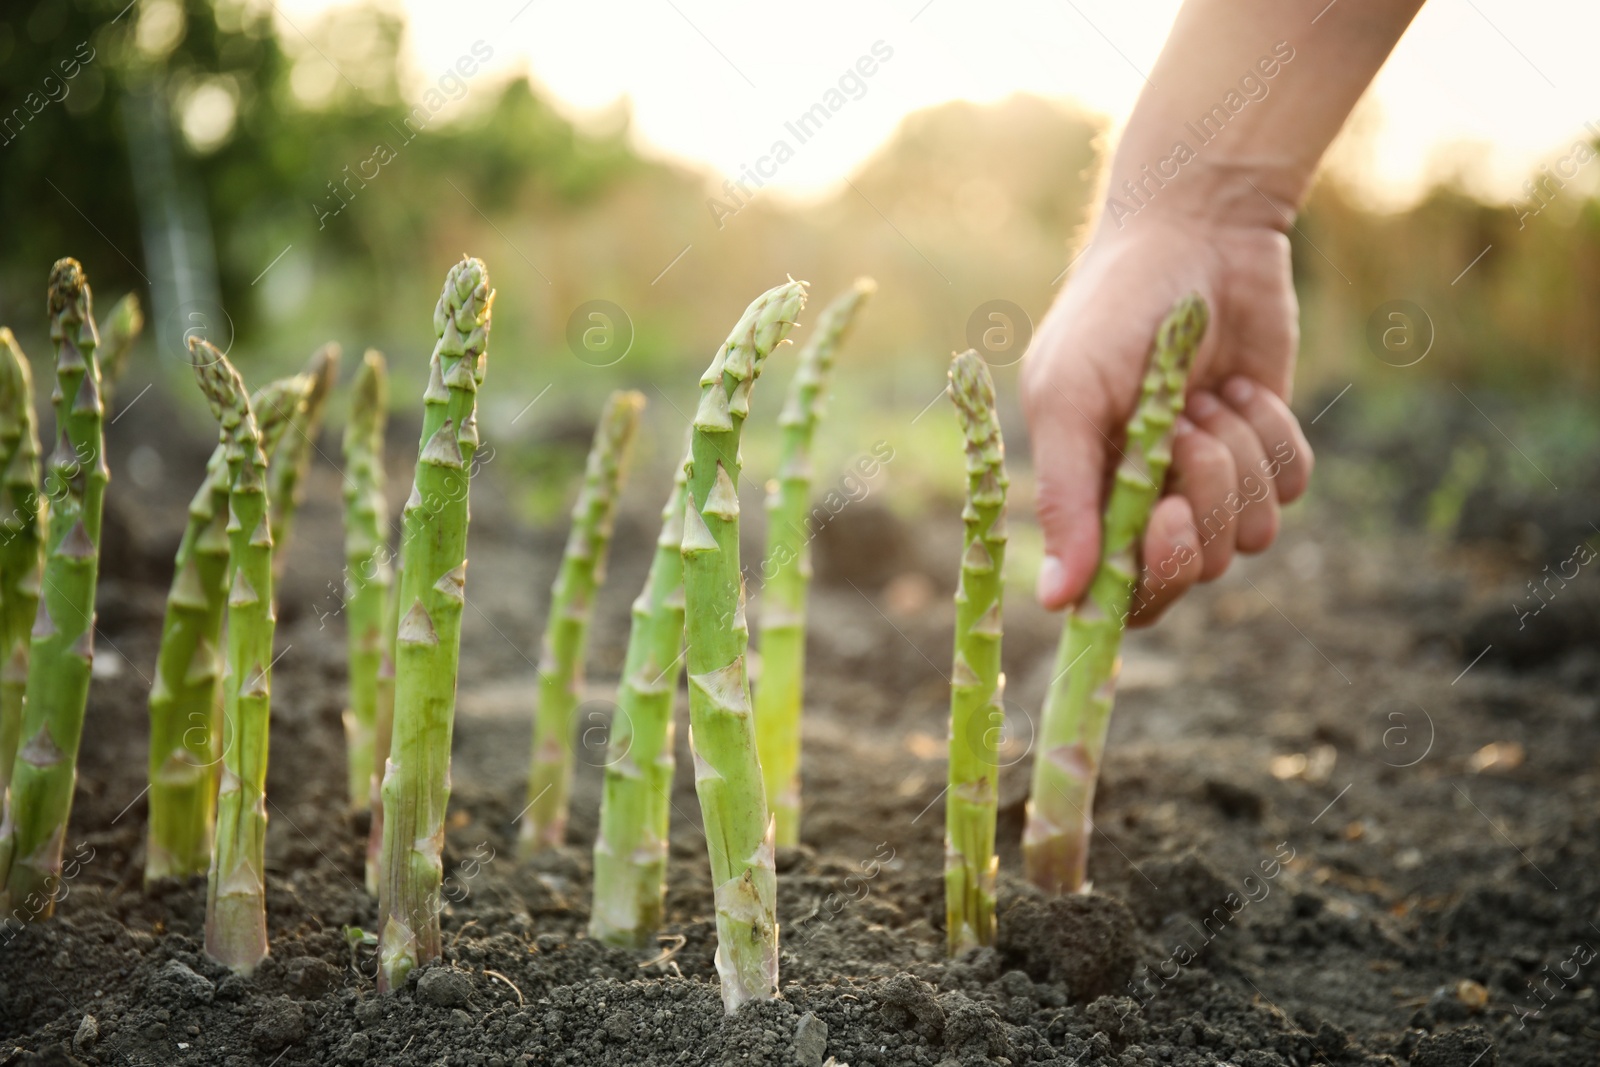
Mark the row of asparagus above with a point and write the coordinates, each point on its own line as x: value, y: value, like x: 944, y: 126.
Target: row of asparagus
x: 746, y: 749
x: 210, y: 704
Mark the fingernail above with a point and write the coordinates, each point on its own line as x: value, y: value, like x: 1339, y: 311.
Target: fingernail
x: 1052, y: 585
x: 1203, y: 405
x: 1183, y: 426
x: 1238, y: 390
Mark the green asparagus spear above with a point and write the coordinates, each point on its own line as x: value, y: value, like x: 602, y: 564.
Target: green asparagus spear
x: 787, y: 570
x: 630, y: 851
x: 21, y: 521
x: 287, y: 474
x: 733, y: 803
x: 416, y: 785
x: 1077, y: 709
x: 976, y: 684
x: 382, y: 734
x: 44, y: 772
x: 186, y: 698
x: 566, y: 630
x: 120, y: 329
x: 367, y: 576
x: 236, y: 896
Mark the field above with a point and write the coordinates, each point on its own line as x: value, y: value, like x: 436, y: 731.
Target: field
x: 1329, y: 832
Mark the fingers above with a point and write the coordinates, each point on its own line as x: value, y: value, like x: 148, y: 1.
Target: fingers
x: 1069, y: 486
x: 1172, y: 560
x: 1288, y: 451
x: 1252, y: 498
x: 1203, y: 474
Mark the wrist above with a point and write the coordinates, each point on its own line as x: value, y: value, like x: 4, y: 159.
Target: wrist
x: 1179, y: 185
x: 1176, y: 176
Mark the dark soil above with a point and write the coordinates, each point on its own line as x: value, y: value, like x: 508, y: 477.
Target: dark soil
x: 1306, y: 855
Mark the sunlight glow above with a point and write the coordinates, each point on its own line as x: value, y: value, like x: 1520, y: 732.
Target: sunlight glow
x: 713, y: 82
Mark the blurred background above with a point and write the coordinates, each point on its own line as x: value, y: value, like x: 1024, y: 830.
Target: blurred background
x: 279, y: 175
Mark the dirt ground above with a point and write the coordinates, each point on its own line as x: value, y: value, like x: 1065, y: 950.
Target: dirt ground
x: 1306, y: 852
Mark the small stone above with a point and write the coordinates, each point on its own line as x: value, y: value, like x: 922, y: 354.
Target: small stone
x: 279, y: 1022
x: 444, y: 988
x: 1472, y: 994
x: 619, y: 1025
x: 810, y: 1040
x: 313, y: 977
x: 177, y: 981
x: 88, y: 1033
x: 358, y: 1048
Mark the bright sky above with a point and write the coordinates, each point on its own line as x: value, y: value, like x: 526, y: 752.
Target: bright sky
x: 1505, y: 84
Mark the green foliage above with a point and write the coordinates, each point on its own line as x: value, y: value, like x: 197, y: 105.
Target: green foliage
x: 299, y: 127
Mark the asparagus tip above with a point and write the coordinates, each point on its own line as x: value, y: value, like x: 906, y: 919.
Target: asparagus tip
x: 1182, y: 330
x: 971, y: 388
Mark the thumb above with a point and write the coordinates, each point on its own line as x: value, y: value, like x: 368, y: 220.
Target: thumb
x: 1069, y: 456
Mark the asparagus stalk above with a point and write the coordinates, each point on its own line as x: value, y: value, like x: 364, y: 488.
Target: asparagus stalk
x: 382, y: 735
x: 566, y: 631
x: 118, y: 331
x: 630, y: 850
x: 787, y: 571
x: 367, y: 576
x: 727, y: 777
x: 1077, y: 708
x: 976, y: 683
x: 416, y: 785
x: 236, y: 899
x: 44, y: 772
x: 186, y: 699
x: 287, y: 474
x: 21, y: 519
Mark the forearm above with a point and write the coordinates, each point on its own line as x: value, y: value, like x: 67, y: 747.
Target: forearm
x: 1241, y: 104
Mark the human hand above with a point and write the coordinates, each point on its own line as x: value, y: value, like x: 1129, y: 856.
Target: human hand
x: 1239, y: 452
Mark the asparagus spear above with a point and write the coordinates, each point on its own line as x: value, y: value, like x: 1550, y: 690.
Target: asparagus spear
x: 291, y: 462
x: 367, y: 576
x: 120, y: 329
x: 45, y: 769
x: 727, y: 776
x: 21, y: 520
x: 382, y: 735
x: 630, y: 850
x: 236, y: 900
x: 976, y: 684
x: 1077, y: 709
x: 787, y: 571
x: 566, y: 630
x: 416, y: 785
x: 186, y: 698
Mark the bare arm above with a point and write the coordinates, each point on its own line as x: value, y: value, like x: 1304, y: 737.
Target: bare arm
x: 1215, y: 160
x: 1306, y: 77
